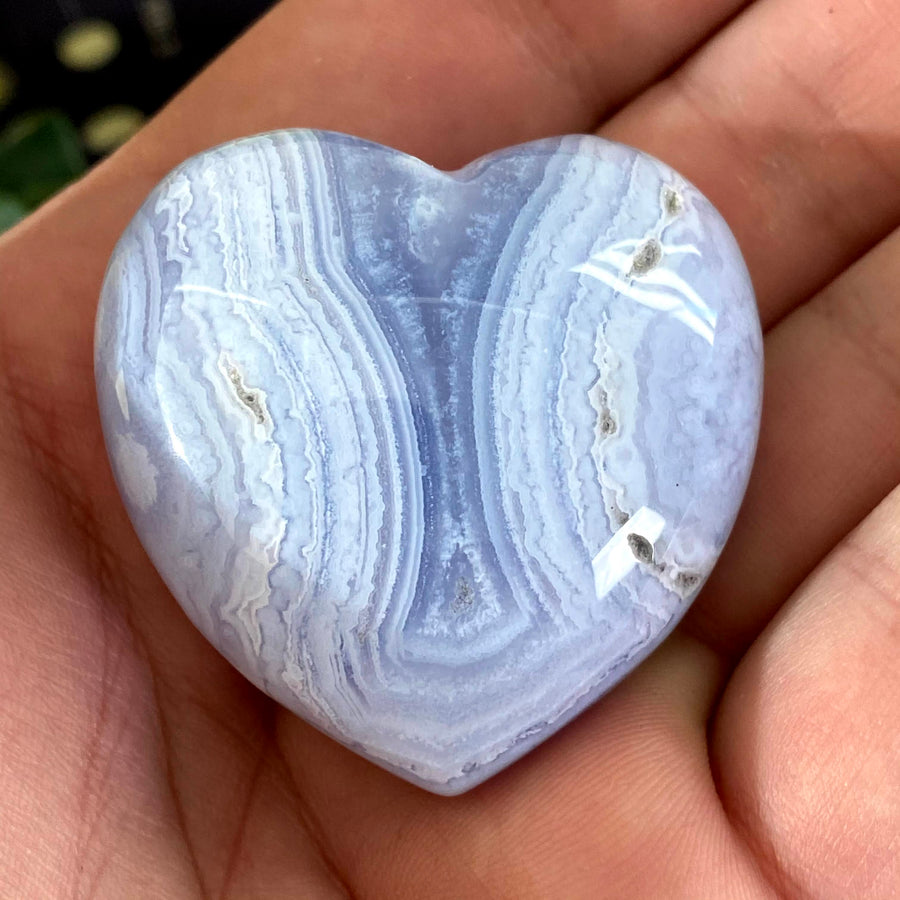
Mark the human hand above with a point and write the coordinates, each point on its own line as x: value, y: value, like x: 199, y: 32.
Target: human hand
x: 755, y: 754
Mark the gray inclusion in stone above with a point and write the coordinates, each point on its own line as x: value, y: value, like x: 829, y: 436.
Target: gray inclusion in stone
x: 433, y: 459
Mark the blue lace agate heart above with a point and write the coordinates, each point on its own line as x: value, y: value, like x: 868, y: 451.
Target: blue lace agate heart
x: 433, y: 459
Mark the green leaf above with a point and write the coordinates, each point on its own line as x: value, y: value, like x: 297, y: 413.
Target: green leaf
x: 11, y: 211
x: 40, y: 152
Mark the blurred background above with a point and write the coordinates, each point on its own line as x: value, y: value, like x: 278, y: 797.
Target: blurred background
x: 79, y: 77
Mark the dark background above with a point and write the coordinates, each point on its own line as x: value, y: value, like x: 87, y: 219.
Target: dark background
x: 78, y: 77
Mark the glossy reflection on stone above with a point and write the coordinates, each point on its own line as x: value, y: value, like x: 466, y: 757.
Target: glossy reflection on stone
x: 433, y: 459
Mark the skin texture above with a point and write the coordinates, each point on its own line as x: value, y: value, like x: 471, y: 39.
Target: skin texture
x: 754, y: 755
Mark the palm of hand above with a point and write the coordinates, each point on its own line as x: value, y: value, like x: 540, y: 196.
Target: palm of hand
x: 748, y: 757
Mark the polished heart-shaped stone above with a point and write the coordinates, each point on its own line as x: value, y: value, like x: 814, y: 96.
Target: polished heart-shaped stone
x: 434, y: 459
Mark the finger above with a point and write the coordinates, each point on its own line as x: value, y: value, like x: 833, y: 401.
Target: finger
x: 794, y: 140
x: 622, y: 797
x: 829, y: 447
x: 444, y: 83
x: 807, y: 741
x: 787, y: 121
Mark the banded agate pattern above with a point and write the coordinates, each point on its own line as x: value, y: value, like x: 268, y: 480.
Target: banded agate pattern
x: 433, y: 459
